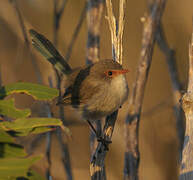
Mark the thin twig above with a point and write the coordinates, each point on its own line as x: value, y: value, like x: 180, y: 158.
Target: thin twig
x: 23, y: 28
x: 132, y: 156
x: 186, y: 169
x: 39, y: 78
x: 49, y: 138
x: 57, y: 16
x: 14, y: 2
x: 61, y: 10
x: 176, y: 86
x: 76, y: 32
x: 97, y: 162
x: 48, y: 150
x: 94, y: 16
x: 116, y: 33
x: 65, y: 156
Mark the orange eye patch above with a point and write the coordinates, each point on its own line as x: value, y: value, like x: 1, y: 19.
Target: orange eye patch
x: 113, y: 72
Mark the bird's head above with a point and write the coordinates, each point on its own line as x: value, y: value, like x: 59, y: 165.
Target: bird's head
x: 107, y: 70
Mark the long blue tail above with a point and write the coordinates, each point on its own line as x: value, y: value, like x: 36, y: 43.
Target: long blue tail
x: 47, y: 49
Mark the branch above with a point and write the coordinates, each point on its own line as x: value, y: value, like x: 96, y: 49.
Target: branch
x: 65, y: 155
x: 176, y: 86
x: 132, y: 156
x: 76, y: 32
x: 57, y: 16
x: 40, y: 81
x: 186, y: 169
x: 23, y: 28
x: 48, y: 150
x: 97, y: 162
x: 14, y: 2
x: 116, y: 29
x: 94, y: 17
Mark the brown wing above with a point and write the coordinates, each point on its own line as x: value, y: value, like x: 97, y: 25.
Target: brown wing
x: 84, y: 88
x: 88, y: 89
x: 66, y: 100
x: 67, y: 85
x: 70, y: 78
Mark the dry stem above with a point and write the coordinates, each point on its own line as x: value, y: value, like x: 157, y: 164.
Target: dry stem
x: 132, y: 155
x: 97, y: 162
x: 58, y: 11
x: 176, y: 86
x: 186, y: 170
x: 116, y: 33
x: 94, y: 17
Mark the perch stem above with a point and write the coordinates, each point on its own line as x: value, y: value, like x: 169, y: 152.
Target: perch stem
x: 176, y: 86
x: 65, y: 153
x: 132, y: 155
x: 186, y: 169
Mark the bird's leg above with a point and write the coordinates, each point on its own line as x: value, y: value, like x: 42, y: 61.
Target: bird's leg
x: 99, y: 137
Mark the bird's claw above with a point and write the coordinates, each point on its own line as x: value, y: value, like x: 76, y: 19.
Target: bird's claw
x: 105, y: 142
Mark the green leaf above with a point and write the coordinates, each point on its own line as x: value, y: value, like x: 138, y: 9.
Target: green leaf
x: 7, y: 108
x: 14, y: 167
x: 37, y: 91
x: 29, y: 123
x: 25, y: 126
x: 5, y: 138
x: 13, y: 150
x: 41, y: 130
x: 37, y: 130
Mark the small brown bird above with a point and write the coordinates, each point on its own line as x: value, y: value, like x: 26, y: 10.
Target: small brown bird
x: 96, y: 90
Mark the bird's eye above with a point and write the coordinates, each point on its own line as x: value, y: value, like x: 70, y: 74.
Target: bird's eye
x: 110, y: 73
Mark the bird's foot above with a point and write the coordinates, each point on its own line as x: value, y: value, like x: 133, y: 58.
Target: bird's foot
x: 105, y: 142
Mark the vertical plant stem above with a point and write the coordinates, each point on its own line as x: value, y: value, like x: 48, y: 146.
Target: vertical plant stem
x: 76, y: 32
x: 40, y: 81
x: 97, y: 166
x: 23, y: 29
x: 48, y: 152
x: 64, y: 147
x: 94, y: 16
x: 65, y: 156
x: 176, y: 86
x: 132, y: 156
x: 186, y: 169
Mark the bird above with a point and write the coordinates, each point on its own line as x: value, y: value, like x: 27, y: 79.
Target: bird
x: 95, y: 90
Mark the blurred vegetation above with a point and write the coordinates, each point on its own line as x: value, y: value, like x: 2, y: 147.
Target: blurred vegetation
x: 158, y: 138
x: 14, y: 162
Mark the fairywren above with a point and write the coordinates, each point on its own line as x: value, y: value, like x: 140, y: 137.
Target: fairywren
x: 96, y: 90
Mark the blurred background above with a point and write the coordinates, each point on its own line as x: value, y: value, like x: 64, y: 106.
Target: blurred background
x: 158, y: 138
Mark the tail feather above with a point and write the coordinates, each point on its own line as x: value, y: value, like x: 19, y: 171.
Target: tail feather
x: 47, y: 49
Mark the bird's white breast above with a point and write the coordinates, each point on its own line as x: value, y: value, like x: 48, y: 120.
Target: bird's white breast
x: 108, y: 99
x: 119, y: 88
